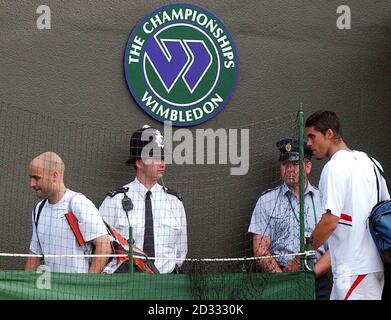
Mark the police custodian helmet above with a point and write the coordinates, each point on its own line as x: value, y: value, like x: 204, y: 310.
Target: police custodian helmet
x: 143, y: 137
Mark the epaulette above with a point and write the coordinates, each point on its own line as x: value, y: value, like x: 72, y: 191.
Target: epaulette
x: 111, y: 194
x: 269, y: 190
x: 173, y: 192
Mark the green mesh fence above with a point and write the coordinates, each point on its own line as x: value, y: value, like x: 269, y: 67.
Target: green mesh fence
x: 285, y: 286
x: 220, y: 260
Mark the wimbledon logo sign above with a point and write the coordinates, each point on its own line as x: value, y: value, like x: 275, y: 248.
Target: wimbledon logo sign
x: 181, y: 64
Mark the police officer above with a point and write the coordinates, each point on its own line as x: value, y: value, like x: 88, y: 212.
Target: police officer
x: 275, y: 220
x: 155, y: 213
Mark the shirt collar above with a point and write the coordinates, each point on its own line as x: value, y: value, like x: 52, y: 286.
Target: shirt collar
x: 309, y: 190
x: 142, y: 190
x: 62, y: 200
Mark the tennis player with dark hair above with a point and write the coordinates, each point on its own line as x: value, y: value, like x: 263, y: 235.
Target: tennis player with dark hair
x: 349, y: 190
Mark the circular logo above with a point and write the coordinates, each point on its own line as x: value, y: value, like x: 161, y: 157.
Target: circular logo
x: 181, y: 64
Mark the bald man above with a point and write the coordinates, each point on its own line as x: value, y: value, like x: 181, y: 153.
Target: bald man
x: 52, y: 234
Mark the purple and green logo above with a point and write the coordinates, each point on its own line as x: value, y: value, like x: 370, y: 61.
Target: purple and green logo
x: 181, y: 64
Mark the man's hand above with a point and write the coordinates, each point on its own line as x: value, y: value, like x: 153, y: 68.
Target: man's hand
x: 261, y: 244
x: 293, y: 265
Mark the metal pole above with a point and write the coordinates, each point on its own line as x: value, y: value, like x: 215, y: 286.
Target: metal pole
x: 130, y: 253
x: 301, y: 179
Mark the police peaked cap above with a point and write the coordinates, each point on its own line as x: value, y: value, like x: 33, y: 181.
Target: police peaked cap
x: 289, y: 150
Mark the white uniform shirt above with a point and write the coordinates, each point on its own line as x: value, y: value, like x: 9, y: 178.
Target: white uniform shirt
x: 54, y: 236
x: 276, y: 214
x: 348, y: 190
x: 169, y: 222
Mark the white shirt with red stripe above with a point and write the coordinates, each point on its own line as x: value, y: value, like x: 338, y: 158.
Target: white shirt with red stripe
x: 348, y: 189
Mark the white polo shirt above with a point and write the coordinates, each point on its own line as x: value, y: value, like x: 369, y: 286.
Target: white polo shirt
x: 54, y: 236
x: 169, y: 222
x: 348, y: 189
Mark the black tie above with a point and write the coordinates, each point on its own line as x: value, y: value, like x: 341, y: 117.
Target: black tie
x: 149, y: 242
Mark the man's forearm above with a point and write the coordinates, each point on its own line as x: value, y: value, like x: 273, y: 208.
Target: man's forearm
x: 324, y: 229
x: 32, y: 263
x: 320, y: 235
x: 323, y: 265
x: 261, y: 244
x: 102, y: 246
x: 98, y: 263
